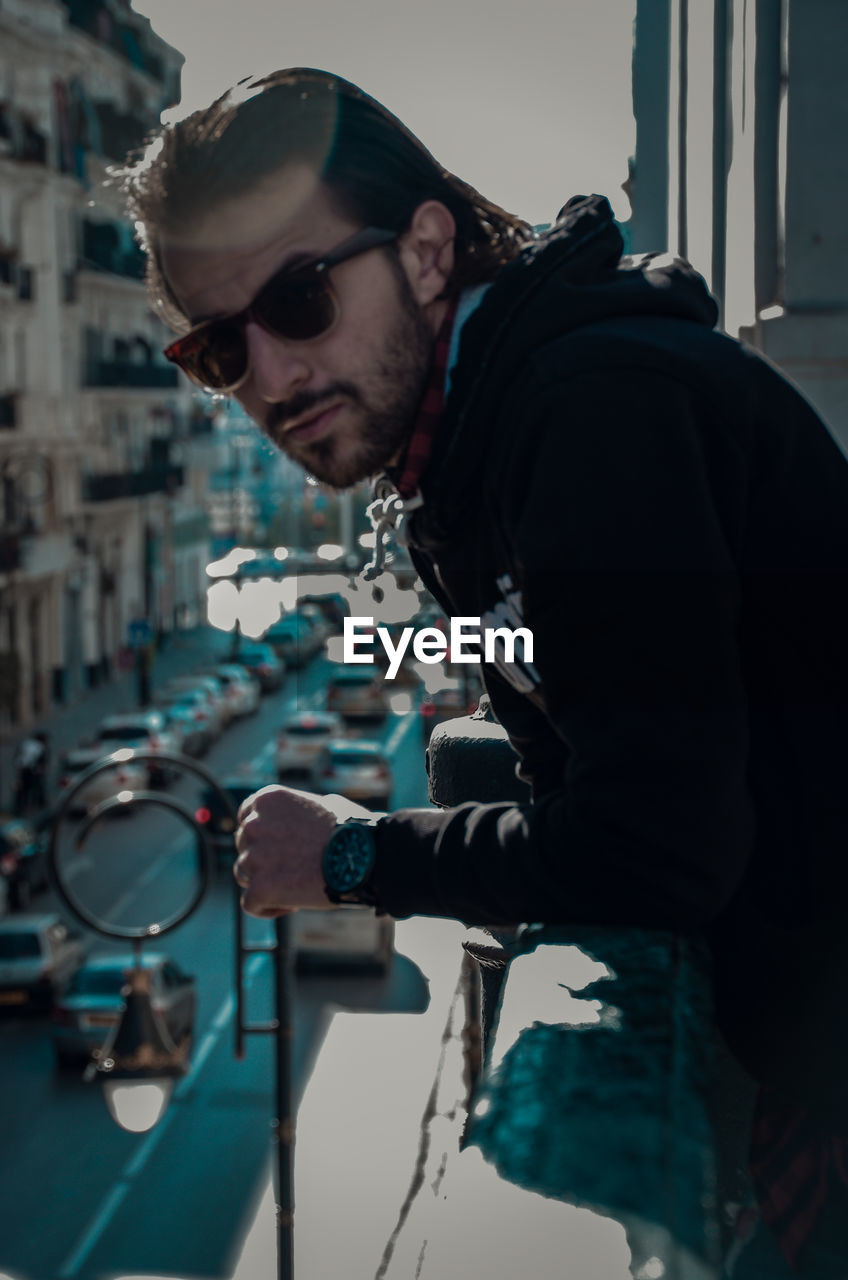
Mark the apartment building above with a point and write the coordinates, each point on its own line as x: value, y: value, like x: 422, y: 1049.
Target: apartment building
x: 103, y: 446
x: 741, y: 166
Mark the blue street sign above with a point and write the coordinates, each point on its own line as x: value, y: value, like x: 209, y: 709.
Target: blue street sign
x: 140, y: 633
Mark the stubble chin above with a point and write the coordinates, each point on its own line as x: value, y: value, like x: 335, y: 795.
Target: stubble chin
x: 344, y: 462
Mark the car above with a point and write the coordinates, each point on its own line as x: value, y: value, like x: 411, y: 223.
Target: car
x: 345, y: 937
x: 39, y: 955
x: 212, y: 814
x: 301, y: 738
x: 355, y: 768
x: 333, y: 607
x: 144, y: 730
x: 207, y: 715
x: 446, y: 703
x: 219, y: 707
x: 262, y: 662
x: 295, y: 639
x: 124, y: 775
x: 190, y: 719
x: 357, y: 693
x: 23, y: 861
x: 241, y: 689
x: 94, y: 999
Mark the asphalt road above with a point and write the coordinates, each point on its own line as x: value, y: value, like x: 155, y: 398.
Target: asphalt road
x: 82, y: 1200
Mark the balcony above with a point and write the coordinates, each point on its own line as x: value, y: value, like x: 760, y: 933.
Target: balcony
x: 132, y: 484
x: 20, y: 137
x: 109, y: 246
x: 122, y: 373
x: 100, y: 22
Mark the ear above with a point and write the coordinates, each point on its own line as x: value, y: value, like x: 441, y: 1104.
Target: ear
x: 426, y: 251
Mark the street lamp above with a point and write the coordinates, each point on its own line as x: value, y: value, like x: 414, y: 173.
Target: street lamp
x: 140, y: 1062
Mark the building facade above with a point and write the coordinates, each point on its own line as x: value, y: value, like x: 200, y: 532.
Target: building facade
x: 741, y: 166
x: 102, y: 443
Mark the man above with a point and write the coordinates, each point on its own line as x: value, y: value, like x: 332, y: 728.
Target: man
x: 576, y: 448
x: 31, y: 758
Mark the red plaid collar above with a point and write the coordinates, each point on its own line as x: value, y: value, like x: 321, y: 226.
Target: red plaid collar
x: 796, y: 1170
x: 429, y: 413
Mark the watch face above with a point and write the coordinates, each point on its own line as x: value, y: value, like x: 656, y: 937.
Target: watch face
x: 348, y: 858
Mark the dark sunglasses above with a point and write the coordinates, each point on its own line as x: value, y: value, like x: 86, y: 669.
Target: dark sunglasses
x: 298, y: 304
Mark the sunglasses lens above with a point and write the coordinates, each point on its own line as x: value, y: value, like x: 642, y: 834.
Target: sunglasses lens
x: 216, y: 356
x: 298, y: 309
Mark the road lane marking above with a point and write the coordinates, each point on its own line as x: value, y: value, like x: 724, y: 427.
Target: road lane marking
x: 400, y: 731
x: 77, y: 866
x: 117, y: 908
x: 95, y: 1231
x: 112, y: 1202
x: 225, y: 1012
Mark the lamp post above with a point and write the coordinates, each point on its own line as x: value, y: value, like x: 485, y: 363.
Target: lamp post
x: 139, y: 1061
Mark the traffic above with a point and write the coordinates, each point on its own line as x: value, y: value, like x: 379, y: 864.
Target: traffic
x: 61, y: 986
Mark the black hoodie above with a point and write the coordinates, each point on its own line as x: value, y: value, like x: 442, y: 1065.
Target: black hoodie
x: 668, y: 516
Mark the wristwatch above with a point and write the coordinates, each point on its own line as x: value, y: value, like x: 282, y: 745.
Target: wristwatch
x: 349, y: 861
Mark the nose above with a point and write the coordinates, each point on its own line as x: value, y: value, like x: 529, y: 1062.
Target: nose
x: 277, y: 367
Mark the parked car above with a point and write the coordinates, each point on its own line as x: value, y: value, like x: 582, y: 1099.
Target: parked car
x: 295, y: 639
x: 301, y: 739
x: 219, y: 707
x: 211, y: 812
x: 124, y: 775
x: 190, y: 719
x: 333, y: 606
x: 23, y: 862
x: 261, y: 661
x: 358, y: 693
x: 444, y: 704
x: 144, y: 730
x: 39, y: 955
x: 345, y: 937
x: 241, y: 689
x: 94, y: 1000
x: 206, y: 717
x: 357, y: 769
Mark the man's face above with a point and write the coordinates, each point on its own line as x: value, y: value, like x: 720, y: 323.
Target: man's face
x: 342, y: 405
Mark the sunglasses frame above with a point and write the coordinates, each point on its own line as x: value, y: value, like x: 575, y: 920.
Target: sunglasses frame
x: 361, y: 241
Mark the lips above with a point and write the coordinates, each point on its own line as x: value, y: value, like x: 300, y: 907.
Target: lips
x: 311, y: 427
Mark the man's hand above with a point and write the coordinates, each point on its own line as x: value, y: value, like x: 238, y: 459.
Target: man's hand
x: 280, y: 841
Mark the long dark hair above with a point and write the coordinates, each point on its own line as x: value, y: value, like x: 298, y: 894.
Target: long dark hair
x: 376, y: 170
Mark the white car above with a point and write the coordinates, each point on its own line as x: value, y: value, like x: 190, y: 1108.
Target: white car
x: 94, y: 1000
x: 302, y: 738
x: 357, y: 769
x: 241, y: 689
x: 210, y: 685
x: 144, y: 730
x: 346, y: 937
x: 39, y: 955
x: 123, y: 775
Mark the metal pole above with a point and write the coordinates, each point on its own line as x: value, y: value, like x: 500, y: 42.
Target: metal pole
x: 284, y: 1127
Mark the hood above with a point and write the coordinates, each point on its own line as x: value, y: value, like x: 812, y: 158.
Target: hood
x: 572, y: 275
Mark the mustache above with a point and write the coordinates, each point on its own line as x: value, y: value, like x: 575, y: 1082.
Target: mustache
x: 285, y: 410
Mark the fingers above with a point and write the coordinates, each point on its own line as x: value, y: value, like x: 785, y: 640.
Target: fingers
x: 280, y: 841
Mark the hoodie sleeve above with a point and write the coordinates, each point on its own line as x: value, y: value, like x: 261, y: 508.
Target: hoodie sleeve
x: 627, y: 575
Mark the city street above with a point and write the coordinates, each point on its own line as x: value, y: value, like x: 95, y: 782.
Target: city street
x: 80, y: 1198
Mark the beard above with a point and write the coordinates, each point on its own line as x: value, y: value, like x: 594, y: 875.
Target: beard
x: 384, y: 403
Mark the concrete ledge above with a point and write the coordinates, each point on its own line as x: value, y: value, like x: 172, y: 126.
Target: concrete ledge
x: 470, y: 758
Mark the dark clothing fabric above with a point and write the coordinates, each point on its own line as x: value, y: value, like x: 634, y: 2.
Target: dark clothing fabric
x: 667, y: 514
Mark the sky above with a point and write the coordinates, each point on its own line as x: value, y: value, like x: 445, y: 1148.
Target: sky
x: 529, y: 102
